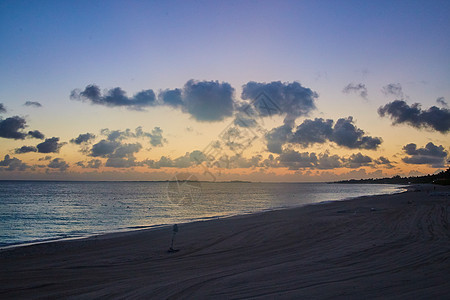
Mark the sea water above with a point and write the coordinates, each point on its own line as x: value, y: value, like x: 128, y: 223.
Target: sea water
x: 34, y: 211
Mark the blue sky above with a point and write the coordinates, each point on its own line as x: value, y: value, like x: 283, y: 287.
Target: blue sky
x: 50, y: 48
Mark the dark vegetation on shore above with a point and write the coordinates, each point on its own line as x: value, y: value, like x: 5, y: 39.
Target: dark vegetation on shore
x: 442, y: 178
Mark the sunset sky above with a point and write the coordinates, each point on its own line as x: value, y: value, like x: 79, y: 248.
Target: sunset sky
x: 224, y: 90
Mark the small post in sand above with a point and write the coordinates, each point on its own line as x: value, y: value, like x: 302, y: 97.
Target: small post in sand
x: 175, y: 230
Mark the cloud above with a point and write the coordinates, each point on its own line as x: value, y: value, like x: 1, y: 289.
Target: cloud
x: 93, y: 164
x: 25, y: 149
x: 10, y: 128
x: 277, y: 137
x: 114, y: 97
x: 119, y: 155
x: 33, y: 103
x: 208, y: 101
x: 83, y: 138
x: 171, y: 98
x: 50, y: 145
x: 104, y: 148
x: 295, y: 160
x: 394, y: 89
x: 318, y: 131
x: 356, y: 88
x: 357, y: 160
x: 126, y: 151
x: 313, y: 131
x: 276, y: 97
x: 2, y: 108
x: 384, y: 161
x: 58, y: 163
x: 120, y: 162
x: 12, y: 164
x: 348, y: 135
x: 441, y: 101
x: 205, y: 101
x: 433, y: 118
x: 327, y: 161
x: 156, y: 138
x: 187, y: 160
x: 431, y: 155
x: 36, y: 134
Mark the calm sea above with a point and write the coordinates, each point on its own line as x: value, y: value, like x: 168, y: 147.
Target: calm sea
x: 32, y: 211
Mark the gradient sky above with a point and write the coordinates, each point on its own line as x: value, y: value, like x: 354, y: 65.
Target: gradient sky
x: 355, y: 57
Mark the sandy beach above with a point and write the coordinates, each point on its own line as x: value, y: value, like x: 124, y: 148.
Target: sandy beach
x: 390, y: 246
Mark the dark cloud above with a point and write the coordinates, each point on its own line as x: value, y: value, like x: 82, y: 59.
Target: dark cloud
x: 431, y: 155
x: 117, y: 135
x: 393, y: 89
x: 384, y: 161
x: 433, y: 118
x: 36, y: 134
x: 187, y: 160
x: 25, y: 149
x: 313, y: 131
x: 171, y: 97
x: 115, y: 97
x: 441, y: 101
x: 348, y: 135
x: 359, y: 88
x: 277, y: 137
x: 33, y: 103
x: 208, y: 101
x: 120, y: 162
x: 126, y: 151
x: 83, y: 138
x: 104, y: 148
x: 156, y: 138
x: 58, y: 163
x: 50, y: 145
x: 11, y: 128
x: 2, y: 108
x: 327, y: 162
x: 276, y: 97
x: 357, y: 160
x: 343, y: 133
x: 246, y: 116
x: 12, y: 164
x: 119, y: 155
x: 93, y: 164
x: 295, y: 160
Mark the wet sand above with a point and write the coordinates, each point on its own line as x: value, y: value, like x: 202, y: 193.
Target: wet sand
x: 391, y: 246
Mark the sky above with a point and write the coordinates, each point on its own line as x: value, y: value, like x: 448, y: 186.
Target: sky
x: 295, y: 91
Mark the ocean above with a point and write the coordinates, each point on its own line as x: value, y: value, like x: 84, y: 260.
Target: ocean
x: 39, y: 211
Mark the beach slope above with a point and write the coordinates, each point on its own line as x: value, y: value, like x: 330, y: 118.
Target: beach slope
x: 390, y: 246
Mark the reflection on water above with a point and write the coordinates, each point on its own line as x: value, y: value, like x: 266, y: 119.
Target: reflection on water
x: 32, y: 211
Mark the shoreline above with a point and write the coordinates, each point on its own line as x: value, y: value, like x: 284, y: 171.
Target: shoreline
x: 400, y: 188
x: 394, y: 245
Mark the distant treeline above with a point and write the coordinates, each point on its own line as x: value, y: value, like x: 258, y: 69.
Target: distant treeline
x: 442, y: 178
